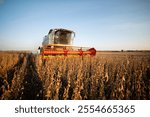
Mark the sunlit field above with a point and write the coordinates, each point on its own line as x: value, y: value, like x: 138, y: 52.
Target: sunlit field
x: 107, y: 76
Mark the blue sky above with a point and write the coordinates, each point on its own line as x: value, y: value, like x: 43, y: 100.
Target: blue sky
x: 103, y: 24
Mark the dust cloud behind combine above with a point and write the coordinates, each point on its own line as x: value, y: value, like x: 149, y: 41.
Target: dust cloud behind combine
x: 108, y: 75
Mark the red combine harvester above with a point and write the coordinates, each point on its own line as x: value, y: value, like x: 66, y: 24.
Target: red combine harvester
x: 59, y: 42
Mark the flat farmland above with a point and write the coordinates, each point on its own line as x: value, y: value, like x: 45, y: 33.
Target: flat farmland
x: 107, y: 76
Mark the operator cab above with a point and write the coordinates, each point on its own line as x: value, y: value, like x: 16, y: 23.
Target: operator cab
x: 63, y: 37
x: 59, y: 36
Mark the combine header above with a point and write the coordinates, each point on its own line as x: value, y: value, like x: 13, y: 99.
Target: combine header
x: 59, y: 42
